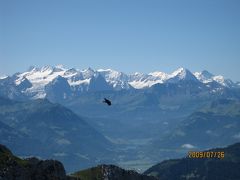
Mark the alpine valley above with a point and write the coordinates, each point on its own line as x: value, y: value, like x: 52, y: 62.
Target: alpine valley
x: 57, y: 113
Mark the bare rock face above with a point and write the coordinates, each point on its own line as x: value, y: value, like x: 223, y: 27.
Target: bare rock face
x: 14, y: 168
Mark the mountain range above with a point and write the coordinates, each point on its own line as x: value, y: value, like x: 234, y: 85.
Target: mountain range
x: 42, y: 82
x: 153, y: 116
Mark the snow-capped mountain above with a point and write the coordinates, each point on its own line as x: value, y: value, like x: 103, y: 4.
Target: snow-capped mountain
x: 204, y: 76
x: 51, y: 81
x: 140, y: 81
x: 207, y: 77
x: 181, y: 74
x: 118, y: 80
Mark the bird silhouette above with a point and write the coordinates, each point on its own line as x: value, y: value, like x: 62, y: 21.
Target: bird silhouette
x: 107, y: 101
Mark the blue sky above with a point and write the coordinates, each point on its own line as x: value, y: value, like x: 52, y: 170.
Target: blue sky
x: 126, y: 35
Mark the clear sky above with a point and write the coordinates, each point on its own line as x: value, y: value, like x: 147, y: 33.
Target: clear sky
x: 126, y: 35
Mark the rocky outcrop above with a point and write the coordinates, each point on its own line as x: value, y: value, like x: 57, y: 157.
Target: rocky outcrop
x: 12, y: 167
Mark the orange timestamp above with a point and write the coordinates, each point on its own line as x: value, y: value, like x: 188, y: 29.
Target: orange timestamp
x: 206, y: 154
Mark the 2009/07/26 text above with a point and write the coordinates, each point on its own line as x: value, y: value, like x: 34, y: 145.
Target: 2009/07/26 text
x: 206, y: 154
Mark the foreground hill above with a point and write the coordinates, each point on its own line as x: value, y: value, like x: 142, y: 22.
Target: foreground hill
x: 12, y: 167
x: 199, y: 169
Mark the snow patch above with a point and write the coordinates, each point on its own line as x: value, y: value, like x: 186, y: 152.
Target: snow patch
x: 3, y: 77
x: 188, y: 146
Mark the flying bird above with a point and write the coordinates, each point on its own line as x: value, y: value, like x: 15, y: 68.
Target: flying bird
x: 107, y: 101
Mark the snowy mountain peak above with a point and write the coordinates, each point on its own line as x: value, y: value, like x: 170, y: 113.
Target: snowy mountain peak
x: 207, y: 74
x: 111, y: 74
x: 204, y: 76
x: 60, y: 66
x: 88, y: 70
x: 70, y: 72
x: 46, y: 68
x: 137, y: 73
x: 162, y: 75
x: 31, y: 68
x: 105, y: 70
x: 116, y: 79
x: 207, y: 77
x: 88, y: 73
x: 157, y: 73
x: 224, y: 82
x: 181, y: 74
